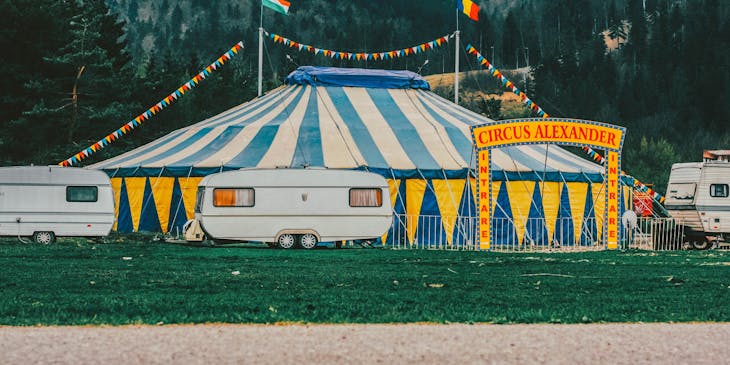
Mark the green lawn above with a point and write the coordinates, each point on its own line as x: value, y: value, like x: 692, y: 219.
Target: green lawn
x: 83, y: 283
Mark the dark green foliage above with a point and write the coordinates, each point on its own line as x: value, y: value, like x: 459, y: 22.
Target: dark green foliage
x: 133, y: 283
x: 668, y: 79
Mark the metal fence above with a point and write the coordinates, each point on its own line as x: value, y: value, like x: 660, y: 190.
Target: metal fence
x: 530, y: 235
x: 660, y: 234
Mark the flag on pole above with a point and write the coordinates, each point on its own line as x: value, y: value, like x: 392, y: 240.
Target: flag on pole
x: 469, y: 8
x: 279, y: 6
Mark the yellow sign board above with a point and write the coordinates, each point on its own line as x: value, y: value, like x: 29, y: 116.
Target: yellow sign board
x: 551, y: 130
x: 548, y: 131
x: 484, y: 193
x: 612, y: 197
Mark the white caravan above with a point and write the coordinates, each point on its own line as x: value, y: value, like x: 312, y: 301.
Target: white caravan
x: 45, y: 202
x: 288, y: 207
x: 698, y: 194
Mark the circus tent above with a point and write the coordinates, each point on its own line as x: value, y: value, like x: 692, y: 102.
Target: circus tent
x: 387, y: 122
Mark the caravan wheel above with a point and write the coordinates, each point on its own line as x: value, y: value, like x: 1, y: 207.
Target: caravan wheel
x: 702, y: 244
x: 44, y: 238
x: 308, y: 241
x: 286, y: 241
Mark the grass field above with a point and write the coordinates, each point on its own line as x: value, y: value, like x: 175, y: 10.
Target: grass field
x: 82, y: 283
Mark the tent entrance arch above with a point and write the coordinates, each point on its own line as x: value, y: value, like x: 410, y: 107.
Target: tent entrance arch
x: 542, y: 131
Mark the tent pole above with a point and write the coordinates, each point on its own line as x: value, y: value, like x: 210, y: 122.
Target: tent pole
x: 261, y: 58
x: 261, y: 49
x: 456, y: 69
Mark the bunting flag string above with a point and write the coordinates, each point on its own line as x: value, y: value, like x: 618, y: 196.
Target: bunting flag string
x: 638, y: 185
x: 359, y: 56
x: 155, y: 109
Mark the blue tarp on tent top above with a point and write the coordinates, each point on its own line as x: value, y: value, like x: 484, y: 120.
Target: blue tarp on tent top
x: 356, y: 77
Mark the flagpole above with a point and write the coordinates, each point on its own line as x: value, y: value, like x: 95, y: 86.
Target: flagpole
x: 456, y: 60
x: 261, y: 49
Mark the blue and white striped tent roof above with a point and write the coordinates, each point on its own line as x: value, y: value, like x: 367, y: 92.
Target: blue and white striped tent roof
x: 382, y: 121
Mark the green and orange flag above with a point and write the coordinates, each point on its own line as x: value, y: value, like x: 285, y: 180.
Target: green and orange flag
x: 279, y: 6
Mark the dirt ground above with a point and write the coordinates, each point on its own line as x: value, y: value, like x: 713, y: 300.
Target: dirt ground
x: 369, y: 344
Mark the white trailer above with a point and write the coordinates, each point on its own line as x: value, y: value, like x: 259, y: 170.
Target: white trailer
x: 698, y: 194
x: 45, y: 202
x: 286, y: 207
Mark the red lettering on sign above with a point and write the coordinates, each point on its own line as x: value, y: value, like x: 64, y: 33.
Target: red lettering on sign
x: 483, y: 169
x: 611, y: 220
x: 612, y: 208
x: 612, y: 234
x: 483, y: 195
x: 612, y: 139
x: 485, y: 234
x: 485, y: 220
x: 485, y: 209
x: 612, y: 195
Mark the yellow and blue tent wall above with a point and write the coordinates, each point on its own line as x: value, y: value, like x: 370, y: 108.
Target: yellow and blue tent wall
x: 153, y: 204
x: 536, y: 232
x: 426, y: 212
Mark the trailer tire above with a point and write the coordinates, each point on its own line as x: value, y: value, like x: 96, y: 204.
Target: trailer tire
x: 308, y: 241
x: 702, y: 244
x: 44, y: 237
x: 286, y: 241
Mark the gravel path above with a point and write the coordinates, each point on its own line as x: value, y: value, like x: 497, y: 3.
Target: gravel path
x: 369, y: 344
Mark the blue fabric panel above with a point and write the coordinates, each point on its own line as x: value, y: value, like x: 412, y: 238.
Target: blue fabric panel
x: 466, y: 228
x: 148, y: 220
x: 358, y: 130
x: 503, y: 227
x: 309, y: 143
x: 356, y: 77
x: 397, y: 233
x: 522, y: 158
x: 553, y: 156
x: 178, y: 147
x: 250, y: 115
x: 536, y: 232
x: 177, y: 210
x: 462, y: 144
x: 564, y: 228
x: 124, y: 215
x: 430, y: 226
x: 588, y: 233
x: 214, y: 146
x: 259, y: 145
x: 146, y: 148
x: 403, y: 130
x: 497, y: 175
x: 457, y: 112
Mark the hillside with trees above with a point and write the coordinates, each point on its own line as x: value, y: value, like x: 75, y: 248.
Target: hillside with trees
x: 79, y: 69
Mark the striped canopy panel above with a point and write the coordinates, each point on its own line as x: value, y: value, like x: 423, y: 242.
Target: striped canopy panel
x: 387, y: 122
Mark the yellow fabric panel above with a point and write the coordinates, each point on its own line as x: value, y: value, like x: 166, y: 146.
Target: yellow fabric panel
x: 473, y: 184
x: 393, y: 186
x: 627, y: 194
x: 448, y: 196
x: 162, y: 192
x: 189, y: 188
x: 599, y: 207
x: 551, y: 204
x: 135, y: 194
x: 496, y: 186
x: 577, y: 192
x: 415, y: 189
x: 117, y: 190
x: 520, y: 198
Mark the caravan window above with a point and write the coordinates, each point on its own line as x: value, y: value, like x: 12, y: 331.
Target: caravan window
x: 719, y: 190
x: 86, y: 194
x: 230, y: 197
x: 361, y: 197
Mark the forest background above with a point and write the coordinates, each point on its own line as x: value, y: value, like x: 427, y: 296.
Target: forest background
x: 75, y: 70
